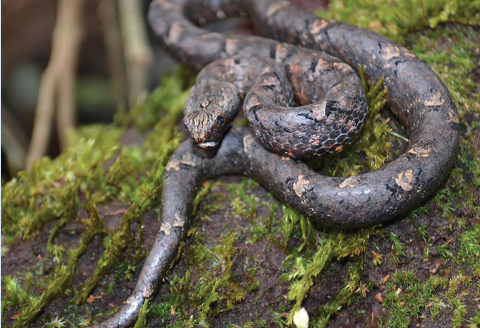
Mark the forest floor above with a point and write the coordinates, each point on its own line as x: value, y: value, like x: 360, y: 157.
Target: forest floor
x: 245, y: 251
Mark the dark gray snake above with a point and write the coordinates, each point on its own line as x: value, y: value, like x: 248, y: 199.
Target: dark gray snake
x: 331, y: 94
x: 416, y: 96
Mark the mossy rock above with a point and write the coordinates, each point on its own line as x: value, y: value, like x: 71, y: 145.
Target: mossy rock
x: 76, y: 229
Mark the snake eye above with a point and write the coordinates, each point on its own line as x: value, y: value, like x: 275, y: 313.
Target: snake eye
x: 220, y: 120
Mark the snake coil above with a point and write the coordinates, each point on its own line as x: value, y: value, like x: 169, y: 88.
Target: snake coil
x: 416, y: 96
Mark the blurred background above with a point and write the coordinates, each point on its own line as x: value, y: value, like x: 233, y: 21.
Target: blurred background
x: 72, y: 62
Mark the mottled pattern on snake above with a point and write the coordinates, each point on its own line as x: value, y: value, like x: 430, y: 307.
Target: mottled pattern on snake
x: 416, y: 96
x: 333, y: 101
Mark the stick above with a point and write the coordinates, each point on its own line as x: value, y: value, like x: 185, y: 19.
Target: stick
x: 113, y: 49
x: 137, y: 51
x: 63, y: 56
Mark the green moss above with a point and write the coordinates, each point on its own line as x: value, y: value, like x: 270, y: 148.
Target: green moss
x: 398, y: 19
x: 214, y: 288
x: 119, y: 241
x: 308, y: 264
x: 242, y: 203
x: 142, y: 316
x: 451, y: 52
x: 372, y: 148
x: 407, y: 297
x: 52, y: 189
x: 345, y: 297
x: 61, y: 284
x: 17, y: 295
x: 470, y: 249
x: 456, y: 297
x: 476, y: 319
x: 37, y: 197
x: 292, y: 219
x: 445, y: 252
x: 70, y: 203
x: 215, y: 284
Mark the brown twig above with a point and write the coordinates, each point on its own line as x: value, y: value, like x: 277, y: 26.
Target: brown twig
x: 14, y: 142
x: 113, y: 48
x: 138, y: 54
x: 66, y: 112
x: 66, y: 38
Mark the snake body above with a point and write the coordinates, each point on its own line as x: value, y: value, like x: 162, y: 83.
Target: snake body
x: 416, y: 96
x: 331, y: 94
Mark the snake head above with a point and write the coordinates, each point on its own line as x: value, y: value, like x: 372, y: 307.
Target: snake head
x: 206, y: 128
x: 210, y: 108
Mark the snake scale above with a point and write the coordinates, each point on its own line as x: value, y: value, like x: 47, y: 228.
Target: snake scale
x: 416, y: 96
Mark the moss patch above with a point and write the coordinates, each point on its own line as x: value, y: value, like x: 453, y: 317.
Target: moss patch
x: 55, y: 190
x: 397, y: 20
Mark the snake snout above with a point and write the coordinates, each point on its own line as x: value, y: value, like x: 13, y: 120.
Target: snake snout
x: 207, y: 140
x: 203, y: 129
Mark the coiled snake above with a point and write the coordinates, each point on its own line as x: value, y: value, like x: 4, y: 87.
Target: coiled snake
x: 416, y: 96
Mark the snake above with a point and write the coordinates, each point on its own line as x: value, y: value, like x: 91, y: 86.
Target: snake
x: 416, y: 97
x: 332, y: 100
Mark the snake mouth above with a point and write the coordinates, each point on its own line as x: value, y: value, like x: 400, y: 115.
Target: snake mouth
x: 208, y: 144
